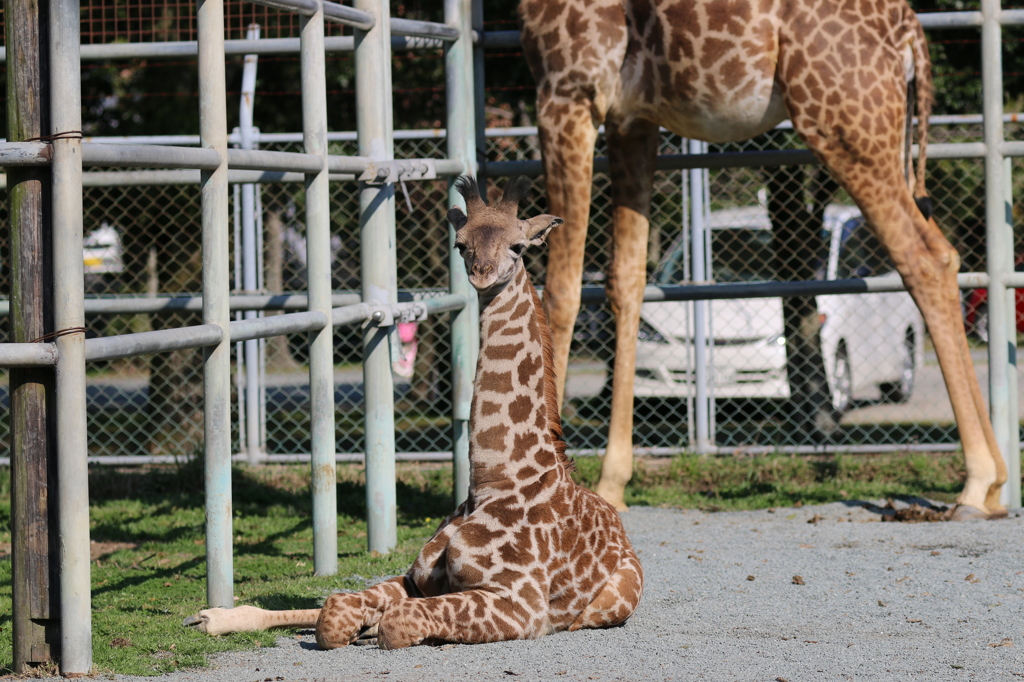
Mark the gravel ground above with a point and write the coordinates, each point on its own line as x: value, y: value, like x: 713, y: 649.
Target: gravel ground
x: 816, y: 593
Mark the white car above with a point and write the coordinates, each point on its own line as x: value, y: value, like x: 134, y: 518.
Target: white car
x: 872, y: 343
x: 101, y: 251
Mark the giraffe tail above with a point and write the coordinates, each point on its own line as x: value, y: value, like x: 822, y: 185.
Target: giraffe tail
x: 924, y: 96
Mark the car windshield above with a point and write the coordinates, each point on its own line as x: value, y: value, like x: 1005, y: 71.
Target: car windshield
x: 737, y: 255
x: 861, y: 254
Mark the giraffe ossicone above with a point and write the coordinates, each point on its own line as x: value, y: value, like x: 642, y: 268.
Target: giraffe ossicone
x: 724, y: 71
x: 529, y: 552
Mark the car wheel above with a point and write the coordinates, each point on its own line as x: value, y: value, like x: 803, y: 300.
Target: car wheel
x: 842, y: 382
x: 981, y: 323
x: 899, y: 391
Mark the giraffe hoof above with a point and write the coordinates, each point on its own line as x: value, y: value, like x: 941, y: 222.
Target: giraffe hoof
x: 999, y: 513
x: 198, y: 621
x: 221, y: 621
x: 367, y: 636
x: 967, y: 512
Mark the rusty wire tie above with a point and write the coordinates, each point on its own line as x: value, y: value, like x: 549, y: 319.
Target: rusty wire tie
x: 66, y: 135
x: 61, y: 332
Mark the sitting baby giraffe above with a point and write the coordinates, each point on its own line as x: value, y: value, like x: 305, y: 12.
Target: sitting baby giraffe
x: 529, y: 552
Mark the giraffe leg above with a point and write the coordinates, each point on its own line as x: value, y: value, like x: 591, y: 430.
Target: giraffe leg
x: 929, y: 264
x: 865, y: 154
x: 993, y: 505
x: 631, y: 155
x: 470, y: 617
x: 567, y: 136
x: 346, y: 616
x: 937, y: 295
x: 617, y: 600
x: 250, y: 618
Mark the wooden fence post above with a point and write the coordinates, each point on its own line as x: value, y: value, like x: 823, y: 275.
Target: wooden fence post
x: 35, y: 554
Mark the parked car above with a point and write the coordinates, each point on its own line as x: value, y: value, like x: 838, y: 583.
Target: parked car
x: 976, y: 307
x: 871, y: 342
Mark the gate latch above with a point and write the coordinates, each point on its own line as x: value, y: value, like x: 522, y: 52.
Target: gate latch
x: 387, y: 172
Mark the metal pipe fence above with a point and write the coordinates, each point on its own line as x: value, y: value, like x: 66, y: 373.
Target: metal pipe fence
x: 356, y: 365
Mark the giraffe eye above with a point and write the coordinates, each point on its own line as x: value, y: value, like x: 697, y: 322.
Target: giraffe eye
x: 517, y: 248
x: 461, y: 247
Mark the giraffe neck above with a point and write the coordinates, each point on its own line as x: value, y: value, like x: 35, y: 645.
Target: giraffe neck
x: 515, y: 430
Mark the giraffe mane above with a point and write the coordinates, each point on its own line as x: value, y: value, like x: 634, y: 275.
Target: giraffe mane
x: 550, y: 391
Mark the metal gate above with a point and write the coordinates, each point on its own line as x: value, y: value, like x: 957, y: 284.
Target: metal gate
x: 66, y: 350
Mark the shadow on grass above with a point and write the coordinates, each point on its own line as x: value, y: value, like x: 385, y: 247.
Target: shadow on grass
x: 148, y: 575
x: 254, y: 492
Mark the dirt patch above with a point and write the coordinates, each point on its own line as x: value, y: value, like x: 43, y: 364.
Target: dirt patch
x: 98, y: 550
x: 916, y: 513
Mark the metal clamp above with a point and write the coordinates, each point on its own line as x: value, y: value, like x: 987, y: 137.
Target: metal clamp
x: 388, y: 172
x: 381, y: 315
x: 384, y: 315
x: 416, y: 311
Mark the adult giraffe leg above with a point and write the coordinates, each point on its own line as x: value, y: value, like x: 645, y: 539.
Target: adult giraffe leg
x: 631, y: 157
x: 928, y: 264
x: 935, y: 290
x: 866, y: 155
x: 567, y: 136
x: 992, y: 499
x: 985, y: 478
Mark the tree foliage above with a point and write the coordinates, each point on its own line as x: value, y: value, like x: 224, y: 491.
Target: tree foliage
x: 160, y: 96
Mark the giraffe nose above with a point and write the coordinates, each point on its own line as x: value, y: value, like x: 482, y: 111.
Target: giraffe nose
x: 483, y: 269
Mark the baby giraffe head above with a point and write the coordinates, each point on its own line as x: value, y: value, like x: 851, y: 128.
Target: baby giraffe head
x: 491, y: 239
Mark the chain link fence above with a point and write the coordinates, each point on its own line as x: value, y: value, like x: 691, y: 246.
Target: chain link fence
x: 884, y: 388
x: 883, y: 383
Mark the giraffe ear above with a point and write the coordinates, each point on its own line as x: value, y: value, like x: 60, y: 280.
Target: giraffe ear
x: 536, y: 229
x: 456, y: 217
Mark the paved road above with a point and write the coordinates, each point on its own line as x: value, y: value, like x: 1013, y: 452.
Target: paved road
x: 929, y: 403
x: 879, y: 601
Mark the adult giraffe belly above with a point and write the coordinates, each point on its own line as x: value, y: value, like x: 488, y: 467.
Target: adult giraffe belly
x: 704, y: 69
x: 709, y: 115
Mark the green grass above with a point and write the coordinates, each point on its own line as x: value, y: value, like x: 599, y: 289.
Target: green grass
x: 149, y: 572
x: 733, y: 483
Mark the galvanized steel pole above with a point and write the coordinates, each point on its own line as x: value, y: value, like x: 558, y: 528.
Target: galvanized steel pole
x: 318, y: 271
x: 701, y: 309
x: 377, y: 262
x: 479, y: 92
x: 999, y: 237
x: 68, y: 296
x: 1011, y: 491
x: 465, y: 334
x: 253, y: 443
x: 216, y: 288
x: 236, y: 218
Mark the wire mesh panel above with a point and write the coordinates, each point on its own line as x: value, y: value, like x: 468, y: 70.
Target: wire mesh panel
x: 883, y: 383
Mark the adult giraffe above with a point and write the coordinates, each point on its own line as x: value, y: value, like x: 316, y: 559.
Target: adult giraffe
x: 727, y: 70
